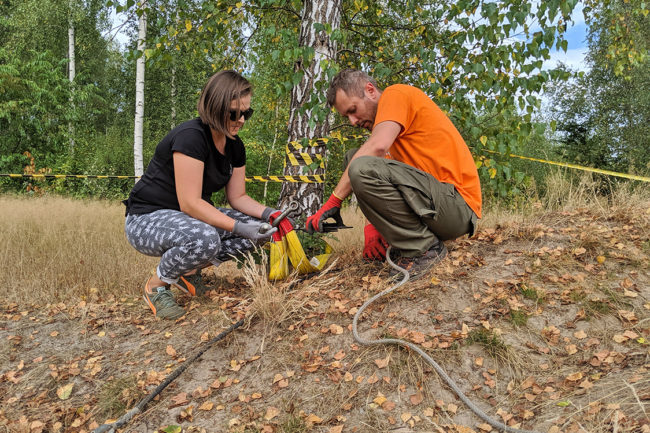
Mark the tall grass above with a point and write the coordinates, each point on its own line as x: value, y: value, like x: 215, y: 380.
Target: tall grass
x: 58, y: 249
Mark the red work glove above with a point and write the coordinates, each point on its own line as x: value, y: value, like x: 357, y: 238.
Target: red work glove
x: 375, y: 245
x: 284, y: 227
x: 331, y: 209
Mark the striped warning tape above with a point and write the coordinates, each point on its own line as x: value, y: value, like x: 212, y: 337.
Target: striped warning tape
x: 296, y: 157
x: 295, y: 179
x: 304, y: 159
x: 298, y: 154
x: 576, y: 167
x: 313, y: 178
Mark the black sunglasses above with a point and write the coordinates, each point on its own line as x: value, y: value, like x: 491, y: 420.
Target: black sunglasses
x: 247, y: 114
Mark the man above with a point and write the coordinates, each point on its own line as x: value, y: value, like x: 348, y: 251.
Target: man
x: 414, y: 178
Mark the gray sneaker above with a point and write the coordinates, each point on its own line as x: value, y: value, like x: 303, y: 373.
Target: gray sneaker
x: 193, y: 285
x: 420, y: 265
x: 162, y: 303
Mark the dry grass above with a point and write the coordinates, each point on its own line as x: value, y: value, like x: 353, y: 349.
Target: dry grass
x: 56, y: 249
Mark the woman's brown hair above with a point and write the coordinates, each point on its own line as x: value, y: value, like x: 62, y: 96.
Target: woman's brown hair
x: 220, y: 90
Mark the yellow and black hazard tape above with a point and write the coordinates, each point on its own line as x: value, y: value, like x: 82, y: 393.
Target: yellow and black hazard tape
x: 312, y: 178
x: 297, y: 153
x: 297, y: 146
x: 293, y: 179
x: 304, y: 159
x: 576, y: 167
x: 63, y: 176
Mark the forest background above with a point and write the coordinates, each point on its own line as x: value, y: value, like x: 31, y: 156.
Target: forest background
x: 68, y: 88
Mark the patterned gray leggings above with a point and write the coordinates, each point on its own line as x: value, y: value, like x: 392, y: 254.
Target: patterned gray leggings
x: 184, y: 243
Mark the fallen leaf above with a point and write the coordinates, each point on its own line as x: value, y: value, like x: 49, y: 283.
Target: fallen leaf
x: 571, y: 349
x: 380, y: 399
x: 382, y: 363
x: 172, y: 429
x: 416, y: 398
x: 580, y: 334
x: 313, y: 419
x: 574, y: 377
x: 180, y: 399
x: 208, y: 405
x: 339, y: 355
x: 171, y: 351
x: 405, y: 416
x: 271, y: 412
x: 64, y: 392
x: 336, y: 329
x: 336, y: 429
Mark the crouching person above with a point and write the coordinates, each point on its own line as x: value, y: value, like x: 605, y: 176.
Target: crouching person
x: 169, y: 212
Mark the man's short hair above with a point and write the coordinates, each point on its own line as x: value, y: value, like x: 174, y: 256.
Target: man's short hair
x: 351, y: 81
x: 220, y: 90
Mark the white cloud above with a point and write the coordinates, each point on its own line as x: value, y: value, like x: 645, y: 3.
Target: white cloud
x: 574, y: 58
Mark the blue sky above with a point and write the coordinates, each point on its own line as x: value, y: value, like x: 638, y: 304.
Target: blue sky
x: 577, y: 48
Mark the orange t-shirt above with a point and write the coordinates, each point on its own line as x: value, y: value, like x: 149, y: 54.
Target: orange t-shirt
x: 429, y: 141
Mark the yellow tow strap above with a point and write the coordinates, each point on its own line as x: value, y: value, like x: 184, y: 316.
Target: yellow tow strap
x: 289, y: 249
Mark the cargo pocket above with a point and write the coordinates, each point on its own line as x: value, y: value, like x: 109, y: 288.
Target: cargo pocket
x: 416, y: 189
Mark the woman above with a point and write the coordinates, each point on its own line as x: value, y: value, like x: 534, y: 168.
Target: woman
x: 169, y: 212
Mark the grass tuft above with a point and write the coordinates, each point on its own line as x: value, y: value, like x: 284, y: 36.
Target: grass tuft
x: 490, y: 342
x: 518, y: 317
x: 118, y: 395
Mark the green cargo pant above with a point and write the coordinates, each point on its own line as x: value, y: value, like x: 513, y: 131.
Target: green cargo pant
x: 409, y: 207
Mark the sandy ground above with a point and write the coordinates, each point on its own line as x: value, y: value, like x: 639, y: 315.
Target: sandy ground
x: 545, y: 325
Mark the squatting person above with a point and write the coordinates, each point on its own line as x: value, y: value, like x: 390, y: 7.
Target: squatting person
x: 169, y: 212
x: 414, y: 178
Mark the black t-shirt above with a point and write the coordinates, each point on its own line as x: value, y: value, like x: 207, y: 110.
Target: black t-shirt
x: 157, y: 188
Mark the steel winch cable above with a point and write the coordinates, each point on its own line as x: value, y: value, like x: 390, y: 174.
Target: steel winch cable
x: 111, y: 428
x: 448, y: 380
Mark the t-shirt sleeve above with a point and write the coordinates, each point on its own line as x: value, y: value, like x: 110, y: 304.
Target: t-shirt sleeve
x: 394, y: 105
x: 238, y: 153
x: 191, y: 142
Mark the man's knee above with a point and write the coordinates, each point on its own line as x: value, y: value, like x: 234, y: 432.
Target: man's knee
x: 363, y: 170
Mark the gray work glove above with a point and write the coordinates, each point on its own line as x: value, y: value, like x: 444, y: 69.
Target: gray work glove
x: 266, y: 215
x: 253, y: 230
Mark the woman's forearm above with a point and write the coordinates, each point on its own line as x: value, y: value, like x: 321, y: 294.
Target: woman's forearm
x: 206, y: 212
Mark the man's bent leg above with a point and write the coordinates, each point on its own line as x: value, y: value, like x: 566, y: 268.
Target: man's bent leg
x: 409, y: 207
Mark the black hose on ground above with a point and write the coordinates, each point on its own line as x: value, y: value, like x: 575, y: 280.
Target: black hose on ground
x: 174, y: 374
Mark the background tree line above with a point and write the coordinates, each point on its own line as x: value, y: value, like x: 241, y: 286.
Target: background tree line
x: 483, y: 62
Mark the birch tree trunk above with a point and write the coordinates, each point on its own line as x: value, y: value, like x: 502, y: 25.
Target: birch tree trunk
x: 310, y: 195
x: 172, y: 95
x: 139, y: 92
x: 72, y: 71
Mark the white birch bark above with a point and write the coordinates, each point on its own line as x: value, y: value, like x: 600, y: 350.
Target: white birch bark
x: 310, y: 195
x: 72, y: 71
x: 139, y: 93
